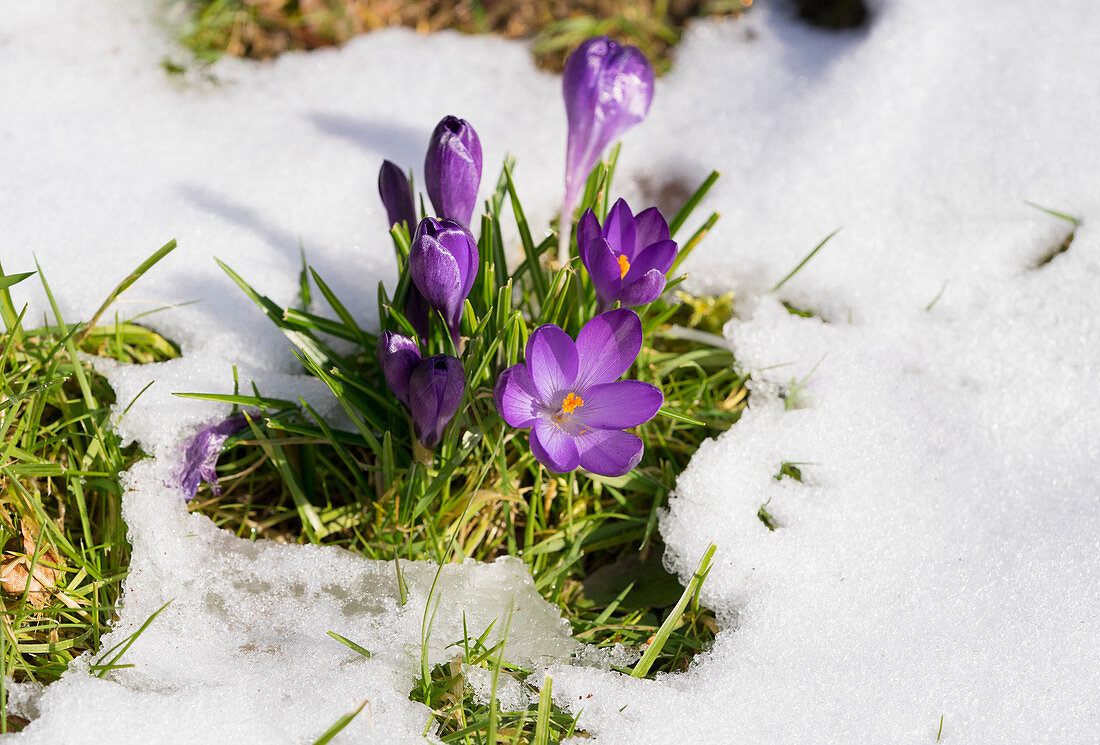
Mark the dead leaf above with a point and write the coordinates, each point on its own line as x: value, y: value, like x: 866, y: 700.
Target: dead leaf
x: 15, y: 574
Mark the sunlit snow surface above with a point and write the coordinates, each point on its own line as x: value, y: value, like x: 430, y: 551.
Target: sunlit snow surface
x: 942, y: 556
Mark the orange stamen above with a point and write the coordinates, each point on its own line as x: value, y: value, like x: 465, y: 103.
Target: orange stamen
x: 572, y: 401
x: 624, y: 266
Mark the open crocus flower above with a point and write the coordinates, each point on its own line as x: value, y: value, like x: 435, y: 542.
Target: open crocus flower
x: 452, y: 169
x: 201, y: 457
x: 570, y: 395
x: 443, y: 261
x: 608, y: 88
x: 628, y: 257
x: 431, y: 388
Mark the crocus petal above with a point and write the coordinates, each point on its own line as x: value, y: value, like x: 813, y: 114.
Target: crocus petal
x: 609, y: 452
x: 551, y: 361
x: 603, y: 266
x: 437, y: 276
x: 659, y: 256
x: 200, y: 459
x: 397, y: 356
x: 644, y: 290
x: 452, y: 169
x: 607, y: 346
x: 396, y: 193
x: 607, y: 88
x: 516, y: 397
x: 553, y: 447
x: 650, y: 227
x: 435, y: 391
x: 588, y: 229
x: 619, y: 231
x: 619, y: 405
x: 469, y: 251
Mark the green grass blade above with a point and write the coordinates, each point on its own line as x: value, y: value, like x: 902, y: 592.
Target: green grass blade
x: 349, y: 643
x: 102, y: 669
x: 802, y: 263
x: 692, y: 242
x: 342, y: 722
x: 693, y: 202
x: 7, y: 280
x: 542, y: 722
x: 641, y: 669
x: 260, y: 402
x: 341, y: 311
x: 535, y: 269
x: 132, y: 277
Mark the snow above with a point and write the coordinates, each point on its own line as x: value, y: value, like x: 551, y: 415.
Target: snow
x: 942, y: 556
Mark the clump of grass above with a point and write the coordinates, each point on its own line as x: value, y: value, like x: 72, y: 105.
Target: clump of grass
x: 264, y: 28
x: 63, y: 547
x: 461, y: 715
x: 589, y: 541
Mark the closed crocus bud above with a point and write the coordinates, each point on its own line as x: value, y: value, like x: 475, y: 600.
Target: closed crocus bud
x: 607, y: 88
x: 397, y: 196
x: 452, y: 169
x: 397, y: 356
x: 435, y: 391
x: 443, y: 262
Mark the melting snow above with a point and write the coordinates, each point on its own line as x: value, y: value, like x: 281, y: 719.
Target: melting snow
x: 942, y: 556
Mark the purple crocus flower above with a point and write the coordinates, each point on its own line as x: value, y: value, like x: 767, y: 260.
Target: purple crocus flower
x: 436, y: 386
x: 432, y: 388
x: 607, y: 88
x: 628, y: 257
x: 201, y: 456
x: 397, y: 356
x: 397, y: 196
x: 443, y: 262
x: 452, y: 169
x: 570, y: 395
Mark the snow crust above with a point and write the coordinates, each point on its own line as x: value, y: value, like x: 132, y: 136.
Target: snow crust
x: 942, y: 556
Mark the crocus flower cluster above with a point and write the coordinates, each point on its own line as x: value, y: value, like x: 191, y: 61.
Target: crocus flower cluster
x: 570, y: 395
x: 443, y: 257
x: 628, y: 256
x: 567, y: 392
x: 442, y: 263
x: 607, y: 88
x: 200, y: 459
x: 431, y: 388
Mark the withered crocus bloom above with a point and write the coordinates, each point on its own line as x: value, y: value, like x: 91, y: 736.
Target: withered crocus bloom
x: 201, y: 456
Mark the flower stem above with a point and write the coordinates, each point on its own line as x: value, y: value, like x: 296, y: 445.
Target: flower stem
x: 421, y: 454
